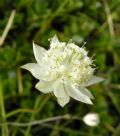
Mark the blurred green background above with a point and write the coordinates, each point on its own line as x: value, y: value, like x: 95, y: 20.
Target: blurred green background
x: 95, y: 21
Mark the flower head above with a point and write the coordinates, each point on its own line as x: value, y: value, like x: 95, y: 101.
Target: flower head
x: 65, y: 69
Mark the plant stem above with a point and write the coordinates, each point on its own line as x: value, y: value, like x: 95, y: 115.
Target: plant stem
x: 12, y: 113
x: 38, y: 122
x: 7, y: 28
x: 109, y: 19
x: 4, y: 128
x: 37, y: 105
x: 20, y: 85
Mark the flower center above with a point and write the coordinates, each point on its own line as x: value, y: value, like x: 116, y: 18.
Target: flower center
x: 69, y: 63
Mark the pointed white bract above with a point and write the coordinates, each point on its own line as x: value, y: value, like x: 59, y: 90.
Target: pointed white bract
x: 65, y: 69
x: 45, y: 87
x: 39, y: 53
x: 54, y: 41
x: 35, y: 70
x: 63, y: 101
x: 94, y: 80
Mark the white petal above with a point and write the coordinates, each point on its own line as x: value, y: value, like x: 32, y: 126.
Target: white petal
x: 59, y: 90
x: 45, y: 86
x: 39, y: 52
x: 94, y: 80
x: 54, y: 41
x: 63, y: 101
x: 86, y: 92
x: 35, y: 69
x: 78, y: 95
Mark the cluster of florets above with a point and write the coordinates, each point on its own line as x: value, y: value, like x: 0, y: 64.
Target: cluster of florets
x: 69, y: 63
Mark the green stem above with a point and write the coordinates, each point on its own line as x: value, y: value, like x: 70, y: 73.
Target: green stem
x: 12, y: 113
x: 109, y: 19
x: 16, y: 128
x: 4, y: 128
x: 37, y: 105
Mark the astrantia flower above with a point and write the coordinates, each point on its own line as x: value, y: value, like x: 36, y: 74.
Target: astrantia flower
x: 65, y: 69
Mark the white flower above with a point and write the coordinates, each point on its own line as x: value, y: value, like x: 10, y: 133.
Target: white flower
x: 64, y: 69
x: 91, y: 119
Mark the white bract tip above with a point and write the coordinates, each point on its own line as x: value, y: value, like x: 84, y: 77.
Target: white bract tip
x: 65, y: 69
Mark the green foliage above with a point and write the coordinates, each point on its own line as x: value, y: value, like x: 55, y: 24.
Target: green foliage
x: 38, y: 20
